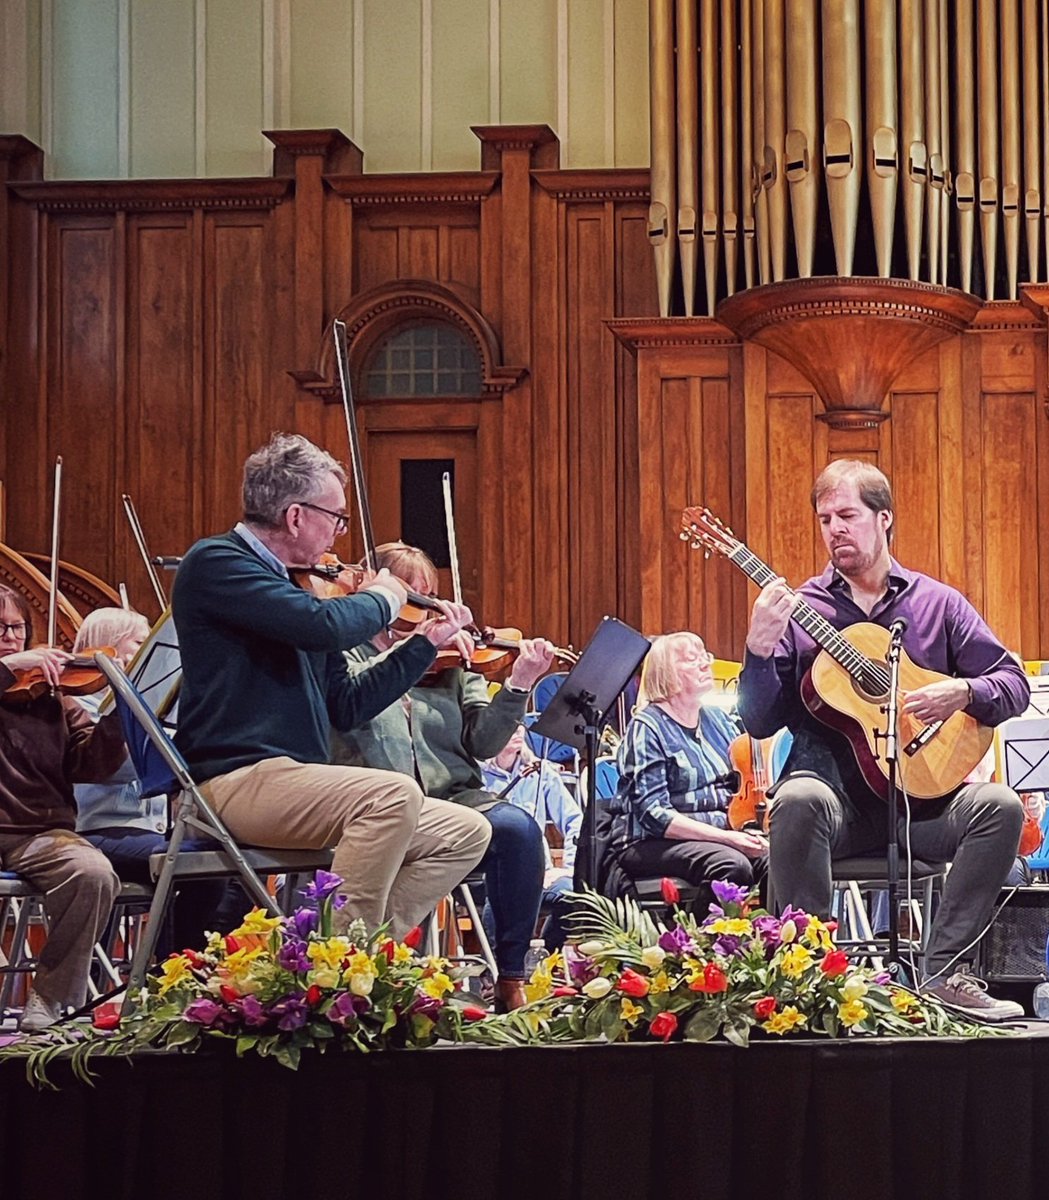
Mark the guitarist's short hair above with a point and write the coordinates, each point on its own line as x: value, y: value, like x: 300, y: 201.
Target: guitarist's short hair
x: 873, y: 486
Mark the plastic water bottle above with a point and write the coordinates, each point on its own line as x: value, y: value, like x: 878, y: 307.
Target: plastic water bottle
x: 537, y: 953
x: 1041, y: 992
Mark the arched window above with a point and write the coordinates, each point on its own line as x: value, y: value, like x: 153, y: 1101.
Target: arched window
x: 424, y: 360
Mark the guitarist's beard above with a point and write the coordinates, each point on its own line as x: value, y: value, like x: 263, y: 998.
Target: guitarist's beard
x: 850, y: 561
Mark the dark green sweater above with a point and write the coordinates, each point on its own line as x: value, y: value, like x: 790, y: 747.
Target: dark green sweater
x: 263, y: 676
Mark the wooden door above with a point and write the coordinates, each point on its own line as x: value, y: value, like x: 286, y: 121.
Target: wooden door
x: 404, y: 470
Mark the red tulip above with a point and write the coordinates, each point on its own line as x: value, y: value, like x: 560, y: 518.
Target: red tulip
x: 474, y: 1012
x: 313, y: 995
x: 836, y: 962
x: 671, y: 891
x: 663, y: 1026
x: 414, y: 937
x: 106, y: 1016
x: 713, y: 979
x: 765, y: 1007
x: 633, y: 984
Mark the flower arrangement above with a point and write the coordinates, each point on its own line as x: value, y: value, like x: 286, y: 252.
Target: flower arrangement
x: 738, y: 971
x: 277, y: 986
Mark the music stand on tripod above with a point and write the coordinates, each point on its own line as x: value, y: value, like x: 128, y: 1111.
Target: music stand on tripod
x: 581, y: 705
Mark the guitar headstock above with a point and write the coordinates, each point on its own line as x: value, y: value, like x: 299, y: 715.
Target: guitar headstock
x: 701, y: 529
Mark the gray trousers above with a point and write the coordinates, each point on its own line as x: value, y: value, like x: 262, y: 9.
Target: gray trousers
x: 977, y: 833
x: 79, y: 887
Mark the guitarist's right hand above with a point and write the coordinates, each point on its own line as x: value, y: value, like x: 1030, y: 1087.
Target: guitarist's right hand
x: 770, y: 617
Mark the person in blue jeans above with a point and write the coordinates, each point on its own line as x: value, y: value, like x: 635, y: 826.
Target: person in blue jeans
x: 536, y: 786
x: 438, y: 733
x: 128, y: 827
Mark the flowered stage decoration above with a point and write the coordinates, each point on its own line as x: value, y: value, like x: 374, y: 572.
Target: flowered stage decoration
x: 278, y: 986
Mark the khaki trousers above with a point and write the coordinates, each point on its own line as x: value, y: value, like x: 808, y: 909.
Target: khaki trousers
x: 397, y: 851
x: 79, y: 887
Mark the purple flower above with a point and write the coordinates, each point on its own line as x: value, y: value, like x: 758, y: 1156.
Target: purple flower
x: 727, y: 944
x: 204, y: 1011
x: 292, y: 956
x: 579, y: 968
x: 768, y: 929
x: 9, y: 1039
x: 251, y: 1010
x: 677, y: 941
x: 324, y: 883
x: 729, y: 893
x: 345, y: 1007
x: 291, y: 1012
x: 302, y: 922
x: 339, y: 901
x: 427, y: 1006
x: 883, y: 978
x: 798, y: 916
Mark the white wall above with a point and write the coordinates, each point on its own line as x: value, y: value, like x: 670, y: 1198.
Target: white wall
x: 154, y: 88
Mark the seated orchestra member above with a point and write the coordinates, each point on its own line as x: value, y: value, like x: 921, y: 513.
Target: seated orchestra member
x: 823, y: 807
x: 264, y: 680
x: 535, y: 785
x: 117, y: 819
x: 47, y: 744
x: 675, y: 780
x: 437, y: 734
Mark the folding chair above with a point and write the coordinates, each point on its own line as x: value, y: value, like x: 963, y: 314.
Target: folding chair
x: 163, y: 770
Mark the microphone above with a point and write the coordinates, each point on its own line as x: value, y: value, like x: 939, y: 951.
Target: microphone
x: 898, y: 628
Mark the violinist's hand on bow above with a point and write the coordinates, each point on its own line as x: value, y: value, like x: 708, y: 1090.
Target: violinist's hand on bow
x: 533, y: 662
x: 449, y: 627
x: 46, y: 659
x: 390, y: 583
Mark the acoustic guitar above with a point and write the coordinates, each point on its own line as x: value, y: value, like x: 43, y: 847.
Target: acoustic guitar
x: 847, y: 686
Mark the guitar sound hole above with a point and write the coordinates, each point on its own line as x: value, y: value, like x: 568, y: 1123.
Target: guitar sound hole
x: 871, y: 689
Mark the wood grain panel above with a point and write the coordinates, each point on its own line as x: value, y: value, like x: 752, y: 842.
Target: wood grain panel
x: 795, y: 548
x: 915, y: 477
x: 375, y: 257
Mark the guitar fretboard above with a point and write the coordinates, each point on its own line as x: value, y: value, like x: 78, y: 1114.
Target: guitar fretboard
x: 872, y: 676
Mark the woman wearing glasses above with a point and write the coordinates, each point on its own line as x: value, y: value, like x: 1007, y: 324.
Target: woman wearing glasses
x: 46, y: 745
x: 674, y: 788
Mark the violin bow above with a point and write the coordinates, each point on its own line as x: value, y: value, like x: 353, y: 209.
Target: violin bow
x: 342, y: 361
x: 453, y: 546
x: 56, y: 507
x: 140, y: 542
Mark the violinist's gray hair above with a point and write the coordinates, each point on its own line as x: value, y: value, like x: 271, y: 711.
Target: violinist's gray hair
x: 288, y: 470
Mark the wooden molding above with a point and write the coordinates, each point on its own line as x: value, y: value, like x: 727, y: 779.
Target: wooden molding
x: 20, y: 158
x: 435, y: 187
x: 648, y: 333
x: 341, y: 156
x: 153, y: 195
x: 996, y: 315
x: 540, y: 140
x: 594, y: 184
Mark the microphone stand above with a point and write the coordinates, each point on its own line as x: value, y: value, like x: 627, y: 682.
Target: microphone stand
x: 892, y: 846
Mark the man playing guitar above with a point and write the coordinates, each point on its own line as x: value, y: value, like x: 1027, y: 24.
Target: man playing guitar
x: 824, y: 807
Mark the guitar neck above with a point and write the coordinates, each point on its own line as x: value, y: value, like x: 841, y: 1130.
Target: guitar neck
x: 816, y: 626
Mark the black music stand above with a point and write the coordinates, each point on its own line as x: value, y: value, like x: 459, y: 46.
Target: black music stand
x: 581, y: 705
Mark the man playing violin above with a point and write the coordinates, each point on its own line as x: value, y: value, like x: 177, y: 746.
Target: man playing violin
x: 48, y: 743
x: 823, y: 807
x: 437, y: 734
x: 264, y: 679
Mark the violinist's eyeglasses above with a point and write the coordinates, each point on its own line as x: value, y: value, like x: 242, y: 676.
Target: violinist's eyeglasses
x: 341, y: 519
x: 18, y: 628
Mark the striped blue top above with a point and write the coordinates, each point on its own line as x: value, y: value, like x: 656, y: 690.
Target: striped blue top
x: 666, y: 768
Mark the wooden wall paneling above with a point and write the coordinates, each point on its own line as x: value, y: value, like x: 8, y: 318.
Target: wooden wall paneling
x: 737, y: 456
x: 591, y: 417
x: 970, y: 394
x: 160, y: 467
x: 712, y: 468
x: 85, y: 395
x: 460, y: 251
x: 756, y: 529
x: 675, y: 477
x: 550, y: 514
x: 950, y: 497
x: 1010, y: 467
x: 915, y: 475
x: 1038, y: 497
x: 375, y: 252
x: 794, y: 457
x: 340, y: 251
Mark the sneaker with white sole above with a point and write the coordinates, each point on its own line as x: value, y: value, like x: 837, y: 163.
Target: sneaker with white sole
x: 39, y: 1014
x: 964, y: 993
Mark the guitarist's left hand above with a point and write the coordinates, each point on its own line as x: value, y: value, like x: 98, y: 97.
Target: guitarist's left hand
x: 937, y: 701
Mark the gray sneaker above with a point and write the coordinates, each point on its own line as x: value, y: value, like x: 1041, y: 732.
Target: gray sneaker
x: 965, y: 994
x: 39, y: 1014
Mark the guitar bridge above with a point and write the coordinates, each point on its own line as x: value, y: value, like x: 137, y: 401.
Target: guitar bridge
x: 919, y: 740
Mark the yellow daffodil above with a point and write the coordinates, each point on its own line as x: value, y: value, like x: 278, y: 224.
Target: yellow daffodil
x: 360, y: 983
x: 652, y: 957
x: 629, y: 1011
x: 903, y: 1001
x: 818, y: 935
x: 329, y: 977
x: 596, y: 988
x: 257, y: 922
x: 796, y: 961
x: 785, y: 1020
x: 174, y: 971
x: 539, y: 986
x: 329, y: 953
x: 735, y: 926
x: 852, y: 1012
x: 436, y: 985
x: 238, y: 965
x: 402, y: 953
x: 661, y: 982
x: 854, y: 988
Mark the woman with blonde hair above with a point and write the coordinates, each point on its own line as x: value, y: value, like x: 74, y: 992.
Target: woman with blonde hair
x: 675, y: 778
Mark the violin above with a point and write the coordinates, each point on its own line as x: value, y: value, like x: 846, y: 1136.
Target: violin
x: 80, y: 677
x: 750, y: 805
x: 329, y: 579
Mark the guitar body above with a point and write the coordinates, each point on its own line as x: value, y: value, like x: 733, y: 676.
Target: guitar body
x: 835, y: 698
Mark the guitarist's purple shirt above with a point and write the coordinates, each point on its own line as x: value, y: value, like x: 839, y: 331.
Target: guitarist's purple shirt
x: 944, y: 633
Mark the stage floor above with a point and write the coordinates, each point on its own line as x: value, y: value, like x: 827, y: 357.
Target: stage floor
x: 927, y: 1118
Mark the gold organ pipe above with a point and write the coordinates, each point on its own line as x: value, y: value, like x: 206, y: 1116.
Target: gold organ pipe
x: 1009, y: 76
x: 1033, y: 135
x: 881, y: 142
x: 842, y: 127
x: 661, y: 127
x: 965, y: 138
x: 775, y: 136
x: 709, y: 122
x: 746, y: 141
x: 687, y: 144
x: 799, y: 157
x: 729, y: 144
x: 945, y: 144
x: 912, y: 128
x: 932, y: 137
x: 987, y: 139
x: 760, y: 179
